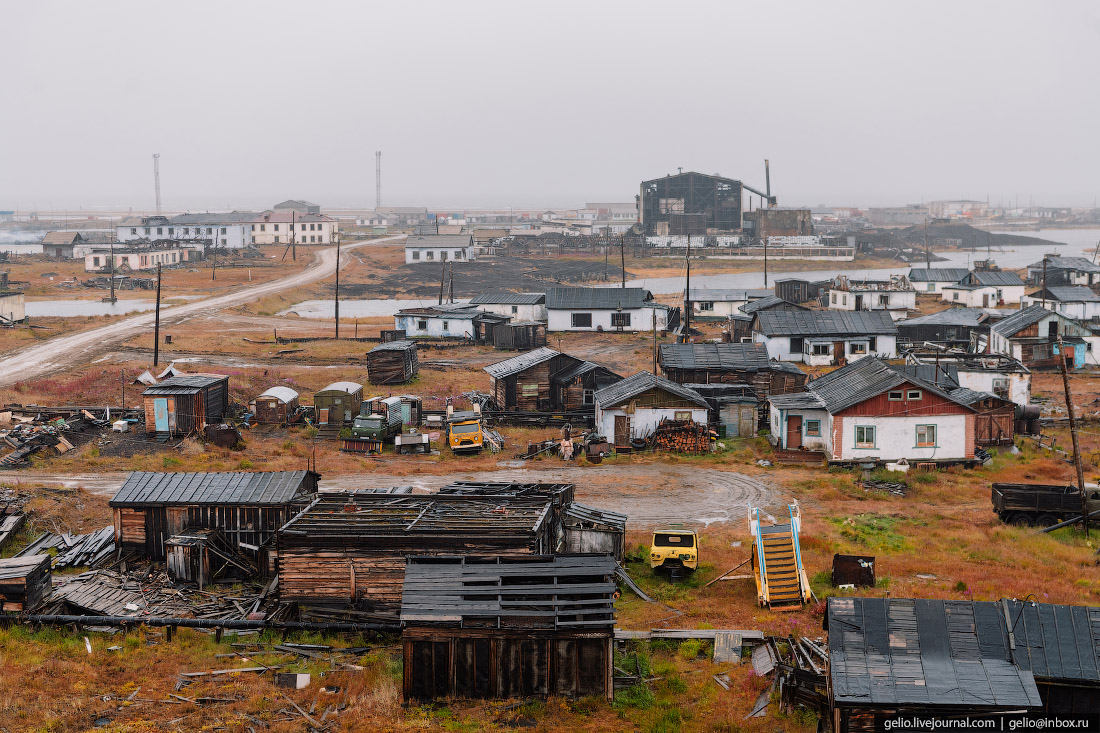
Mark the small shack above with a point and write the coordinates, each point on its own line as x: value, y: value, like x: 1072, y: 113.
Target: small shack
x: 492, y: 627
x: 184, y: 404
x: 519, y: 336
x: 276, y: 406
x: 589, y: 530
x: 13, y: 306
x: 394, y: 362
x: 24, y: 582
x: 544, y: 379
x: 634, y: 407
x: 337, y: 403
x: 246, y: 508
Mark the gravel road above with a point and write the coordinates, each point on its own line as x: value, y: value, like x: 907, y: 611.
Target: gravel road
x: 65, y: 351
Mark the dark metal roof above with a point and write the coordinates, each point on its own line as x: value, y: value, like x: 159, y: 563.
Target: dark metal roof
x: 187, y: 384
x: 937, y: 274
x: 1055, y: 642
x: 570, y: 373
x: 862, y: 380
x: 921, y: 652
x: 945, y: 375
x: 1081, y: 264
x: 969, y: 397
x: 968, y: 317
x: 635, y: 385
x: 581, y: 514
x: 734, y: 357
x: 506, y: 298
x: 1009, y: 327
x: 1068, y: 294
x: 825, y: 323
x: 547, y: 592
x: 143, y: 488
x: 598, y: 298
x: 994, y: 277
x: 767, y: 302
x: 797, y: 401
x: 405, y: 345
x: 523, y: 361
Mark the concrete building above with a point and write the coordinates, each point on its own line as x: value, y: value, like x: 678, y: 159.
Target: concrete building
x: 959, y: 209
x: 892, y: 216
x: 776, y: 222
x: 222, y: 230
x: 604, y: 309
x: 895, y: 296
x: 439, y: 248
x: 13, y: 306
x: 132, y: 259
x: 275, y: 227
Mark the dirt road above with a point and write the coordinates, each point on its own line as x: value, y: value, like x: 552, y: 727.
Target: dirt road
x: 63, y: 351
x: 650, y: 495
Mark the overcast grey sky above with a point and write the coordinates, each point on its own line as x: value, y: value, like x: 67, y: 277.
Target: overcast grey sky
x: 545, y: 103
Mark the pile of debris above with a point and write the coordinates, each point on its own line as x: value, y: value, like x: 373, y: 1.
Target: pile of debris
x: 122, y: 282
x: 75, y: 551
x: 12, y: 517
x: 682, y: 436
x: 29, y: 436
x: 798, y: 666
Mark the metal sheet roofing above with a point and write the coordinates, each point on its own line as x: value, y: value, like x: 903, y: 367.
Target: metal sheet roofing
x: 937, y: 274
x: 923, y: 652
x: 570, y: 373
x: 825, y: 323
x: 349, y: 387
x: 862, y: 380
x: 582, y: 514
x: 597, y: 298
x: 770, y: 301
x: 450, y: 241
x: 943, y: 375
x: 403, y: 345
x: 1068, y: 294
x: 186, y: 384
x: 968, y: 317
x: 797, y: 401
x: 1055, y: 642
x: 635, y: 385
x: 522, y: 362
x: 1018, y: 321
x: 506, y: 298
x: 283, y: 394
x: 733, y: 357
x: 969, y: 397
x: 995, y: 277
x: 144, y: 488
x: 726, y: 295
x: 1081, y: 264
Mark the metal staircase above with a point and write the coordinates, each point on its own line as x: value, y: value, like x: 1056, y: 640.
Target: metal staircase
x: 781, y: 582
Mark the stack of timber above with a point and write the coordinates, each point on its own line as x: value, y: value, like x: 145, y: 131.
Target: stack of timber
x: 394, y: 362
x: 75, y: 551
x: 24, y: 582
x: 682, y: 436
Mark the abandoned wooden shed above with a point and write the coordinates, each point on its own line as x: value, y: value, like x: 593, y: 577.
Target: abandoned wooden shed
x: 24, y: 582
x: 394, y: 362
x: 337, y: 403
x: 276, y: 406
x: 994, y: 422
x: 589, y: 530
x: 349, y: 549
x: 246, y: 508
x: 519, y: 336
x: 184, y: 404
x: 501, y: 627
x: 545, y: 380
x: 920, y: 657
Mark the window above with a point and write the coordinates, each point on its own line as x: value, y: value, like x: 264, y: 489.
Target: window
x: 459, y: 254
x: 589, y: 397
x: 223, y: 242
x: 858, y: 349
x: 303, y: 227
x: 872, y: 343
x: 865, y: 436
x: 133, y: 230
x: 620, y: 320
x: 931, y: 287
x: 821, y: 349
x: 1000, y: 386
x: 796, y: 344
x: 706, y: 306
x: 954, y: 296
x: 1000, y: 295
x: 834, y: 298
x: 95, y: 262
x: 160, y: 230
x: 913, y: 394
x: 844, y: 300
x: 210, y: 230
x: 952, y: 334
x: 311, y: 227
x: 582, y: 320
x: 529, y: 390
x: 515, y: 309
x: 682, y: 415
x: 171, y: 231
x: 422, y: 325
x: 813, y: 428
x: 895, y: 395
x: 429, y: 255
x: 276, y: 227
x: 416, y: 254
x: 926, y: 436
x: 442, y: 255
x: 446, y: 325
x: 884, y: 300
x: 263, y: 227
x: 147, y: 231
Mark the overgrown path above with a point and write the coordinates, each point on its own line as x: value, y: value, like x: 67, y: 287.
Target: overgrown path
x: 66, y: 351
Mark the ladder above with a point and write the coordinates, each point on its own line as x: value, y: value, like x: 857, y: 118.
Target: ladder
x: 781, y: 582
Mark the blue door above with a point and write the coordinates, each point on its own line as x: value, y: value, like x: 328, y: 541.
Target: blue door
x: 160, y: 414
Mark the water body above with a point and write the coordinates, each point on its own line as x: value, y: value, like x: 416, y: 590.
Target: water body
x: 366, y: 308
x: 74, y: 308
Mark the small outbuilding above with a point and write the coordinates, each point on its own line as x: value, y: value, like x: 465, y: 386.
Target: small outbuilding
x: 24, y: 582
x: 393, y: 362
x: 490, y: 627
x: 337, y: 403
x: 276, y: 406
x: 634, y: 407
x: 589, y: 530
x: 13, y: 306
x: 545, y: 379
x: 185, y: 404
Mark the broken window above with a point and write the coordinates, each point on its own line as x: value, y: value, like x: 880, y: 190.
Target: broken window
x: 926, y: 436
x: 872, y: 343
x: 865, y: 436
x: 796, y: 344
x: 682, y: 415
x: 620, y: 320
x: 859, y: 348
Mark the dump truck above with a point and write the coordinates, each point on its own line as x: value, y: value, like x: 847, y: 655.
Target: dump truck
x: 464, y: 430
x: 674, y: 550
x: 1041, y: 505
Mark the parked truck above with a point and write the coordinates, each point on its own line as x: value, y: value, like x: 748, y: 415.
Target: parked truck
x: 377, y: 427
x: 464, y: 430
x: 1040, y: 505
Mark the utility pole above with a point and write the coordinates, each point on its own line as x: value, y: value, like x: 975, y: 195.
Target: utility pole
x: 765, y: 240
x: 1073, y: 434
x: 654, y: 313
x: 156, y: 324
x: 293, y: 247
x: 622, y: 256
x: 442, y: 280
x: 336, y: 302
x: 1045, y: 279
x: 112, y: 271
x: 122, y: 382
x: 927, y: 252
x: 156, y: 177
x: 687, y: 292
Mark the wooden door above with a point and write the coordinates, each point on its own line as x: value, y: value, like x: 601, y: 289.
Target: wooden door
x: 983, y: 429
x: 322, y: 419
x: 838, y: 353
x: 160, y: 414
x: 1001, y: 427
x: 177, y: 519
x: 985, y: 300
x: 622, y: 430
x: 748, y: 422
x: 794, y: 432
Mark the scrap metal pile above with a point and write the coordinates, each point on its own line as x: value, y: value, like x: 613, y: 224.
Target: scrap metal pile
x: 30, y: 436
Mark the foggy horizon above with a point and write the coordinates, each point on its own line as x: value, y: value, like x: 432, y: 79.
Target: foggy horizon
x: 491, y: 105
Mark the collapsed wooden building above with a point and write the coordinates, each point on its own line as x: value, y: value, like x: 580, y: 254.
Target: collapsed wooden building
x: 394, y: 362
x: 481, y: 627
x: 185, y: 404
x: 246, y: 509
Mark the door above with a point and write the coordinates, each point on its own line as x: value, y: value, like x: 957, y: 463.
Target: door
x: 838, y: 353
x: 985, y: 300
x: 177, y: 519
x: 322, y: 419
x: 747, y: 427
x: 794, y: 432
x: 859, y: 302
x: 160, y: 414
x: 622, y: 430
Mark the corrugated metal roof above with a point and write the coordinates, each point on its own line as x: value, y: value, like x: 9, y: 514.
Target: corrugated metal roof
x: 923, y: 652
x: 1081, y: 264
x: 825, y: 323
x: 943, y: 375
x: 143, y: 488
x: 995, y: 277
x: 797, y: 401
x: 348, y: 387
x: 862, y: 380
x: 739, y: 357
x: 283, y: 394
x: 969, y: 317
x: 404, y: 345
x: 770, y: 301
x: 1068, y: 294
x: 597, y: 298
x: 522, y: 362
x: 1056, y: 642
x: 592, y: 515
x: 937, y: 274
x: 635, y: 385
x: 186, y: 384
x: 506, y: 298
x: 1009, y: 327
x: 570, y: 373
x: 969, y: 397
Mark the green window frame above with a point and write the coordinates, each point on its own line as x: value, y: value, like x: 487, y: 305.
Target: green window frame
x: 813, y: 428
x: 868, y: 433
x: 927, y: 436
